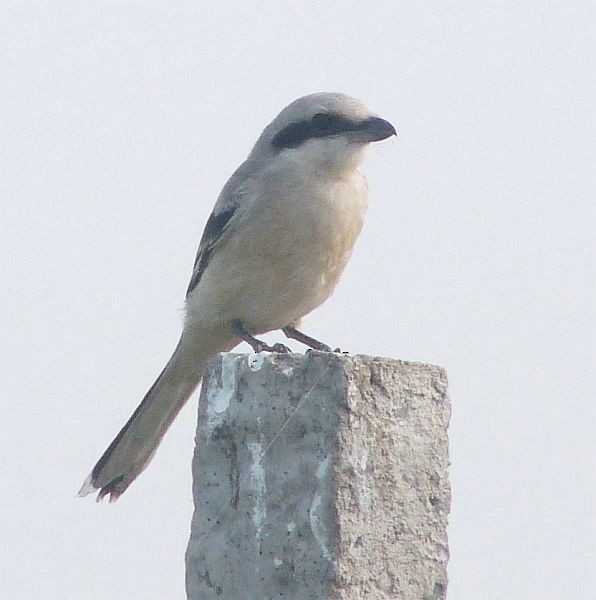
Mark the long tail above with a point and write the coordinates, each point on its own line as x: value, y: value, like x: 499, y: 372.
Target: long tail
x: 134, y: 447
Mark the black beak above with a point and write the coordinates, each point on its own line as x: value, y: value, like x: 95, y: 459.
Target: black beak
x: 377, y: 129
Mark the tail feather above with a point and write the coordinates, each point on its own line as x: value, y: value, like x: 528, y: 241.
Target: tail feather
x: 134, y: 446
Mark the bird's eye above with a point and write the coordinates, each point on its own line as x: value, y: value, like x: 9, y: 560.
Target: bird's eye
x: 322, y: 121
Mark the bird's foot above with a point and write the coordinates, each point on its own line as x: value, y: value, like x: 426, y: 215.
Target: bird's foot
x: 281, y: 348
x: 334, y: 351
x: 256, y: 344
x: 294, y: 334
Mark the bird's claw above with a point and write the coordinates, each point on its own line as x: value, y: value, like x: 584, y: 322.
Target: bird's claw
x: 263, y: 347
x: 281, y: 348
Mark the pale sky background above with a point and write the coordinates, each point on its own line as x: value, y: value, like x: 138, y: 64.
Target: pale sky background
x: 121, y: 121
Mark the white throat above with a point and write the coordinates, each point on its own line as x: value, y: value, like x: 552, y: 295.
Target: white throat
x: 335, y: 155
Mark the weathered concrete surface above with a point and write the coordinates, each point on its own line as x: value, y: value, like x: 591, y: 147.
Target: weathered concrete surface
x: 320, y: 476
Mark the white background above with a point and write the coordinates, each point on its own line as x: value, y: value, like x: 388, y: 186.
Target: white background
x: 121, y: 122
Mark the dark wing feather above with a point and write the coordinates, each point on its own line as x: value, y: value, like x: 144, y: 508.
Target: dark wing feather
x: 216, y: 225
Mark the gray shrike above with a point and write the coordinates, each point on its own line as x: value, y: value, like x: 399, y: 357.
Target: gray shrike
x: 273, y: 250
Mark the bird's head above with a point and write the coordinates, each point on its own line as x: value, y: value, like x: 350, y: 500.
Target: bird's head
x: 323, y: 130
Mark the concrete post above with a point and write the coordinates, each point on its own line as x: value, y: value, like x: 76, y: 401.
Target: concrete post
x: 320, y: 476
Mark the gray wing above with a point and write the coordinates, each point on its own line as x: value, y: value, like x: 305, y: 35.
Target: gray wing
x: 232, y: 200
x: 217, y: 224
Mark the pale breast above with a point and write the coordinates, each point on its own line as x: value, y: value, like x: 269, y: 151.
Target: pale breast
x: 286, y: 256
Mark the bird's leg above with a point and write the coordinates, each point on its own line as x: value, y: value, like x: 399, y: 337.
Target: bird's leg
x: 257, y: 345
x: 294, y: 334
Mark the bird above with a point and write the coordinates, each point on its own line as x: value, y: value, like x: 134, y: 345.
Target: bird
x: 273, y: 249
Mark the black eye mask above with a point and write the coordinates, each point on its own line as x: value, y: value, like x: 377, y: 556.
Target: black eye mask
x: 320, y: 126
